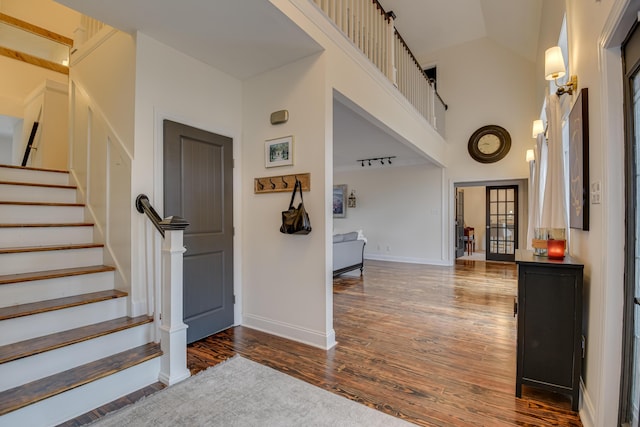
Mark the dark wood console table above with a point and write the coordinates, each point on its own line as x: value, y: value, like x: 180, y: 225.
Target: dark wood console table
x: 549, y: 310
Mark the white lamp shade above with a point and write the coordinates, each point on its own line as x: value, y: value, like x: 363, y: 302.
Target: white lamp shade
x: 554, y: 63
x: 538, y: 128
x: 530, y: 156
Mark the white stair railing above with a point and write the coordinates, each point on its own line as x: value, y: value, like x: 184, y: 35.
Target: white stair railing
x: 372, y: 30
x: 173, y: 331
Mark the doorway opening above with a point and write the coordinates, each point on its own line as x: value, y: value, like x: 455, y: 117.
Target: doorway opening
x: 490, y: 219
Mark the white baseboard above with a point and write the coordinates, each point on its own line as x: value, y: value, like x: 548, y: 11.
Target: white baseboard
x: 292, y: 332
x: 586, y: 407
x: 409, y: 260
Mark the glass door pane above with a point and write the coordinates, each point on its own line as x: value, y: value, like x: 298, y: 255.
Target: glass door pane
x: 502, y: 222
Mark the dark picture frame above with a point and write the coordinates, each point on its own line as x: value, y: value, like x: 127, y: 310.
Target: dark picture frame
x: 340, y: 201
x: 579, y: 162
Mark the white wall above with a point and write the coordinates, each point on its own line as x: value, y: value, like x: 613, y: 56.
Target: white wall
x: 171, y: 85
x: 6, y: 149
x: 399, y: 211
x: 484, y: 83
x: 286, y: 278
x: 475, y: 212
x: 43, y: 13
x: 20, y: 78
x: 595, y: 57
x: 101, y: 139
x: 49, y: 105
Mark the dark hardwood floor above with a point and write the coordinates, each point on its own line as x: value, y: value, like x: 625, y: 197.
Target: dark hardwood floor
x: 435, y: 346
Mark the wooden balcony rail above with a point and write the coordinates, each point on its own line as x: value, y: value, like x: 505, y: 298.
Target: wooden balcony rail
x: 372, y: 30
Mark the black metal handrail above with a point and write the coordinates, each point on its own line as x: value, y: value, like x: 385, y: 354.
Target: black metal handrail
x: 169, y: 223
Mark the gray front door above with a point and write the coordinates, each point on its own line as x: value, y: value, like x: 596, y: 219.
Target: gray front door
x: 198, y: 186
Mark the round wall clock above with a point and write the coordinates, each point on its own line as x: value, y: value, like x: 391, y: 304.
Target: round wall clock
x: 489, y: 144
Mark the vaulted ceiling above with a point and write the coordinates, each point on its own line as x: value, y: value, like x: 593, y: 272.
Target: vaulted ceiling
x: 208, y: 30
x: 431, y: 25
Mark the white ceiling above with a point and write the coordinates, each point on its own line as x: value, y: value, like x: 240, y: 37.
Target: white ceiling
x: 243, y: 38
x: 431, y: 25
x: 247, y: 37
x: 356, y: 138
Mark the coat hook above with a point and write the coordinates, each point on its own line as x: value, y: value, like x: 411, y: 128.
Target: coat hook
x: 284, y: 183
x: 261, y: 185
x: 273, y: 186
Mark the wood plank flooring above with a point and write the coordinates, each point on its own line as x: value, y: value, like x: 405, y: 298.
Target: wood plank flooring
x: 433, y: 345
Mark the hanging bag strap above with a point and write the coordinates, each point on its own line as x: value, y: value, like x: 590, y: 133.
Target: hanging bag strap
x: 293, y: 195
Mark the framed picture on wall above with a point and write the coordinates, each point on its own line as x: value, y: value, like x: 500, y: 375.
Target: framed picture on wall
x: 579, y: 162
x: 339, y: 201
x: 278, y: 152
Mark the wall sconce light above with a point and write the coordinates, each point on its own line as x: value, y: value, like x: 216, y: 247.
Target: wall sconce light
x: 530, y: 156
x: 351, y: 200
x: 373, y: 159
x: 538, y: 128
x: 554, y: 69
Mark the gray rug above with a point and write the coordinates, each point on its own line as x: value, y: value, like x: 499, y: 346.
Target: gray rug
x: 240, y: 392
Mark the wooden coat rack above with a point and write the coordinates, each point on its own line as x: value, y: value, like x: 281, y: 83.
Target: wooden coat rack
x: 281, y: 183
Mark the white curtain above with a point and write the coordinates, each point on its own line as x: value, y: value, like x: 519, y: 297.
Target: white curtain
x: 536, y: 187
x: 554, y: 212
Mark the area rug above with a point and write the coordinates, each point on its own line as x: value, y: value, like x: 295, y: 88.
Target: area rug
x: 240, y: 392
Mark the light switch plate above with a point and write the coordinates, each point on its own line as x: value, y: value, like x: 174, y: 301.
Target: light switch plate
x: 596, y: 193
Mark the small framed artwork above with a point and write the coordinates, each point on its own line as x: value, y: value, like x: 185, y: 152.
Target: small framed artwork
x: 339, y: 201
x: 278, y: 152
x: 579, y: 162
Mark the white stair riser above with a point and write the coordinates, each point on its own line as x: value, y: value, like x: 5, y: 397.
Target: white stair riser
x: 41, y: 214
x: 39, y: 290
x: 36, y: 325
x: 34, y: 177
x: 24, y: 262
x: 42, y: 365
x: 11, y: 237
x: 60, y: 408
x: 28, y: 193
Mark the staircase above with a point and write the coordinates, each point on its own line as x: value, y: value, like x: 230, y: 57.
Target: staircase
x: 67, y: 345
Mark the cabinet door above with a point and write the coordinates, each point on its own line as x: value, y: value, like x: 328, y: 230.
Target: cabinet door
x: 549, y: 326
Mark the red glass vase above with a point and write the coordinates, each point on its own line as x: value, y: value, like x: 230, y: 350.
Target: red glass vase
x: 555, y: 248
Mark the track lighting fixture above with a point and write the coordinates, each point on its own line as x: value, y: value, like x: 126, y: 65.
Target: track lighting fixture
x: 373, y: 159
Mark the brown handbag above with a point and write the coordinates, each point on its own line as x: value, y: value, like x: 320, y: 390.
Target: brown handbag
x: 296, y: 220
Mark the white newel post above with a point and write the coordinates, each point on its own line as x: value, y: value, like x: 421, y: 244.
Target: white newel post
x: 173, y: 331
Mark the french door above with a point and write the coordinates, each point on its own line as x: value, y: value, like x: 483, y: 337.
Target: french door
x: 459, y: 223
x: 502, y: 223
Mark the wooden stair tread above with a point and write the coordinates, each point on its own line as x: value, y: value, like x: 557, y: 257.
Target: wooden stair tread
x: 24, y: 395
x: 41, y: 204
x: 45, y: 343
x: 32, y: 184
x: 58, y: 303
x: 45, y: 248
x: 55, y: 224
x: 52, y: 274
x: 30, y: 168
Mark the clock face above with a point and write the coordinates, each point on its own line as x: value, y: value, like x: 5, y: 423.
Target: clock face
x: 489, y: 144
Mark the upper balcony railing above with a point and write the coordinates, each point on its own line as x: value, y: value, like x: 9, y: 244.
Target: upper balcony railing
x: 371, y: 30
